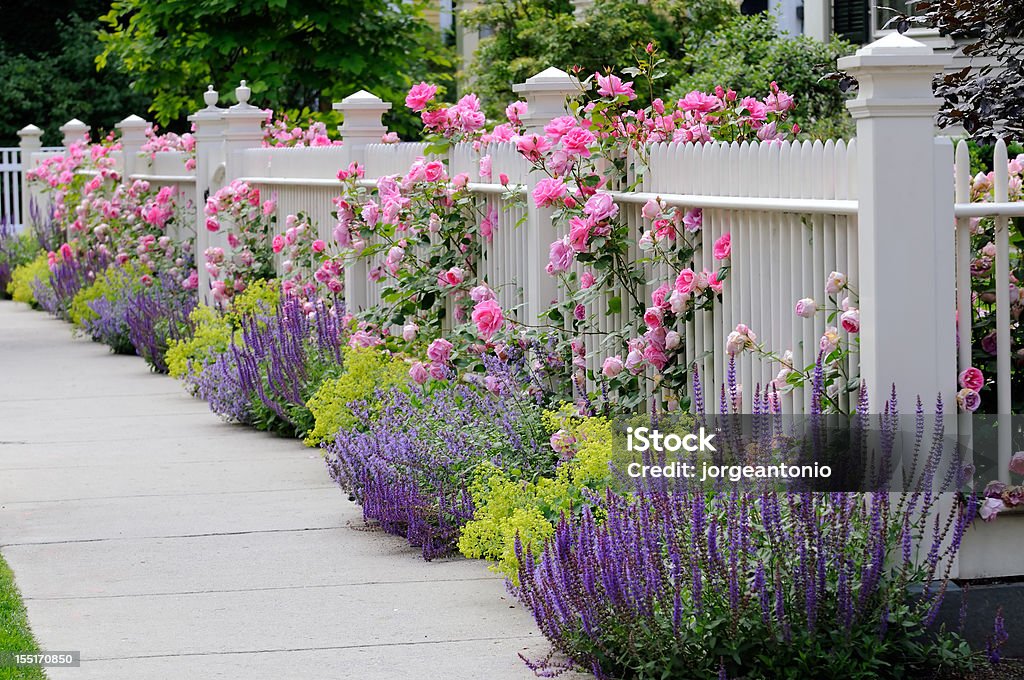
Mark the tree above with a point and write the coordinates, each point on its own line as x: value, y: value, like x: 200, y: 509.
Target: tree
x: 528, y: 36
x: 50, y: 75
x: 987, y: 100
x: 294, y: 54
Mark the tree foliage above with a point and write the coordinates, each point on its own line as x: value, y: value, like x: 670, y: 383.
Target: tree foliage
x: 294, y: 54
x: 989, y: 99
x: 747, y: 53
x: 50, y: 73
x: 528, y: 36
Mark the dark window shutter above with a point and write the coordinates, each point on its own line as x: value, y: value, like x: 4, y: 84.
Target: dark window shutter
x: 851, y: 20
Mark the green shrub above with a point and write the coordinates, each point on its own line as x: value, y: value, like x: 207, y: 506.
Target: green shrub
x: 22, y: 277
x: 365, y: 370
x: 747, y: 53
x: 506, y: 505
x: 212, y: 336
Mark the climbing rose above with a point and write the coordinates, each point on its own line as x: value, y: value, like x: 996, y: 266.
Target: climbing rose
x: 440, y: 351
x: 722, y: 248
x: 972, y: 378
x: 601, y: 207
x: 836, y: 282
x: 488, y: 317
x: 612, y: 86
x: 420, y: 95
x: 418, y: 373
x: 612, y: 367
x: 560, y: 256
x: 548, y: 191
x: 806, y: 307
x: 409, y: 332
x: 850, y: 320
x: 968, y: 400
x: 829, y: 341
x: 451, y: 277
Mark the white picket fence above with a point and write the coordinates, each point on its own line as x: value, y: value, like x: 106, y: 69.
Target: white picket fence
x: 795, y: 212
x: 880, y: 209
x: 11, y: 185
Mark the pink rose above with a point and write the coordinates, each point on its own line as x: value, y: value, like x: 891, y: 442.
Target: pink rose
x: 515, y: 112
x: 686, y: 282
x: 693, y: 219
x: 673, y: 340
x: 440, y: 351
x: 559, y: 127
x: 1017, y: 463
x: 533, y: 147
x: 434, y: 171
x: 418, y: 373
x: 319, y: 246
x: 481, y: 293
x: 579, y: 234
x: 278, y: 243
x: 651, y: 209
x: 488, y: 317
x: 829, y: 340
x: 991, y: 508
x: 634, y: 361
x: 409, y: 331
x: 968, y: 400
x: 806, y: 307
x: 577, y: 141
x: 722, y: 248
x: 612, y: 86
x: 370, y: 214
x: 548, y: 191
x: 660, y: 296
x: 586, y: 280
x: 560, y: 256
x: 611, y: 367
x: 451, y: 277
x: 438, y: 372
x: 601, y: 207
x: 212, y: 224
x: 850, y: 320
x: 420, y: 95
x: 715, y: 283
x: 972, y: 378
x: 654, y: 317
x: 678, y: 301
x: 485, y: 166
x: 835, y: 283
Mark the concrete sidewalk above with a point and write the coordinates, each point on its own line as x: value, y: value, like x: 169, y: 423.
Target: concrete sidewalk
x: 163, y: 543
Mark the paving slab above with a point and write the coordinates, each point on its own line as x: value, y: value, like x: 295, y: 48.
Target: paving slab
x: 164, y: 543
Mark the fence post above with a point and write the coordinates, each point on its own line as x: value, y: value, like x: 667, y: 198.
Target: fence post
x: 906, y: 225
x: 133, y: 136
x: 244, y: 130
x: 545, y: 94
x: 31, y: 142
x: 362, y: 125
x: 209, y: 135
x: 73, y: 131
